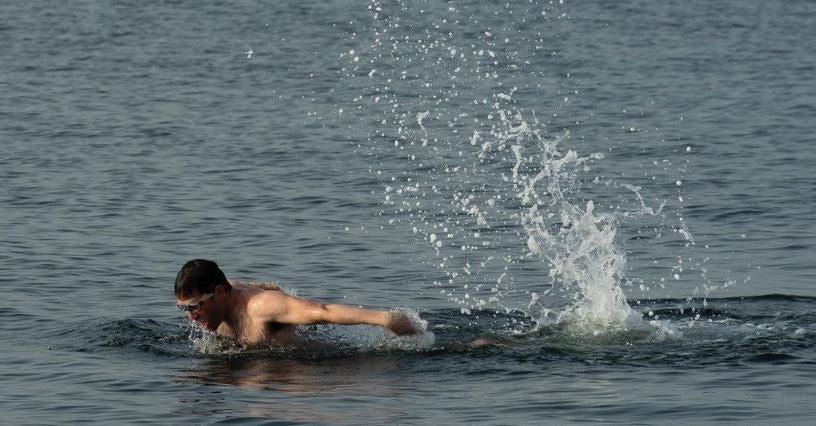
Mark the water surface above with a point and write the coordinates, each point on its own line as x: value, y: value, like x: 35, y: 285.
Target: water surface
x: 283, y: 141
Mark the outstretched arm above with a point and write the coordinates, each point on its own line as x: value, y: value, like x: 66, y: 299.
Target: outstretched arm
x: 282, y: 308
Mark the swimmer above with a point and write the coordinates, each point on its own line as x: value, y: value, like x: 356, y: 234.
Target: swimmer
x: 264, y: 314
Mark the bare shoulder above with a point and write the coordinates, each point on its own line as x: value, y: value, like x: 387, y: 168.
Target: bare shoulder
x: 265, y: 302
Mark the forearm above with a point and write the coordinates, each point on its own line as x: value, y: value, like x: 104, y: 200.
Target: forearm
x: 347, y: 315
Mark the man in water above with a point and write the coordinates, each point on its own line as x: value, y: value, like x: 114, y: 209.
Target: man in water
x: 254, y: 315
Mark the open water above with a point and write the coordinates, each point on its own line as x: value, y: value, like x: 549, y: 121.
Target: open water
x: 618, y: 195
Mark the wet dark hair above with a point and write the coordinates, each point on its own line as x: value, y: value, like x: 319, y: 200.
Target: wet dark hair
x: 200, y: 275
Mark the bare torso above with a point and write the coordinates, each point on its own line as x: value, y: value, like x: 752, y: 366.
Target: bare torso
x: 248, y: 331
x: 259, y: 334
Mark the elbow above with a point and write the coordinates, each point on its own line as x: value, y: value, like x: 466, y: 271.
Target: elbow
x: 319, y: 313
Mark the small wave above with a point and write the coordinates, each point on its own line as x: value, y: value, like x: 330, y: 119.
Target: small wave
x: 632, y: 329
x: 145, y: 335
x: 770, y: 357
x: 770, y: 297
x: 791, y: 307
x: 680, y: 313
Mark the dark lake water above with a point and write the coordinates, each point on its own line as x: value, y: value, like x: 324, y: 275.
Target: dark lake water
x: 618, y: 195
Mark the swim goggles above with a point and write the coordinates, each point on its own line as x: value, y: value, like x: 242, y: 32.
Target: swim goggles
x: 193, y: 307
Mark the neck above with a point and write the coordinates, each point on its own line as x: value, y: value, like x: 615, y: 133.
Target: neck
x: 232, y: 311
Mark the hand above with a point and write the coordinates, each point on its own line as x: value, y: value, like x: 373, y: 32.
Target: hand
x: 401, y: 324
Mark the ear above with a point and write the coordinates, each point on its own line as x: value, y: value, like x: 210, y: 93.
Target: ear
x: 219, y: 291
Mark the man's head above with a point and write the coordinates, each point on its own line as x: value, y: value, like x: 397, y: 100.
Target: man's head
x: 200, y: 276
x: 201, y: 290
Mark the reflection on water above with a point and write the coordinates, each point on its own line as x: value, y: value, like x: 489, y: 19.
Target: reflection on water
x: 295, y: 376
x: 287, y: 381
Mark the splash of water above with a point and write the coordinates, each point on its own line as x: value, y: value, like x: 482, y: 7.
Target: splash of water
x: 471, y: 171
x: 581, y: 250
x: 578, y: 244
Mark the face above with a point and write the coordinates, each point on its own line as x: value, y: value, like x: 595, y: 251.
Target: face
x: 201, y: 308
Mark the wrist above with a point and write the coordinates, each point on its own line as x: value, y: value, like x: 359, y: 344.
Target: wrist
x: 386, y: 319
